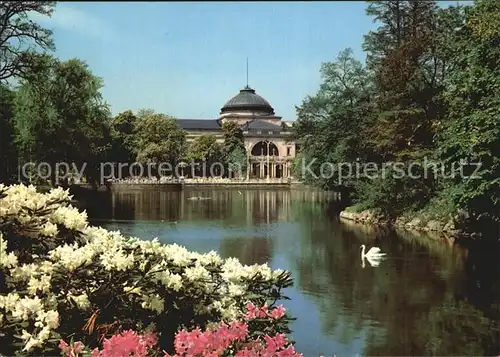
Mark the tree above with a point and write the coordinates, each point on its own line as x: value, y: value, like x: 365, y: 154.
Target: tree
x: 8, y: 152
x: 20, y: 37
x: 123, y: 137
x: 397, y: 51
x: 60, y: 116
x: 471, y: 131
x: 237, y: 160
x: 204, y: 148
x: 330, y: 122
x: 233, y: 149
x: 233, y: 138
x: 159, y: 139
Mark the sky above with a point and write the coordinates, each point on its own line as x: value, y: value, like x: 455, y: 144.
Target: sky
x: 186, y: 59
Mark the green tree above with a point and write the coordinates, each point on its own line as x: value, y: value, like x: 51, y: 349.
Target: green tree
x: 204, y: 148
x: 20, y: 36
x: 398, y: 50
x: 471, y: 131
x: 60, y: 116
x: 8, y: 152
x: 237, y: 161
x: 233, y: 137
x: 159, y: 139
x: 329, y: 123
x: 123, y: 137
x: 233, y: 148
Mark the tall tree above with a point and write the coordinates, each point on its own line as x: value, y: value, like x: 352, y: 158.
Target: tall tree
x: 123, y: 137
x: 8, y: 153
x: 472, y: 129
x: 20, y: 37
x: 159, y: 139
x: 233, y: 137
x: 60, y: 116
x: 328, y: 123
x: 233, y: 147
x: 397, y: 50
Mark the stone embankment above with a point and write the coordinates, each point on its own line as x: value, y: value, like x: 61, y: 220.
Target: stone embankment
x: 412, y: 224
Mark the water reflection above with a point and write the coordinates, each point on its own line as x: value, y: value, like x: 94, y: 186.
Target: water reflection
x: 428, y: 297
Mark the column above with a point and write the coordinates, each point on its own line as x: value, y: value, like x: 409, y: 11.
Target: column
x: 248, y: 166
x: 261, y: 167
x: 268, y: 166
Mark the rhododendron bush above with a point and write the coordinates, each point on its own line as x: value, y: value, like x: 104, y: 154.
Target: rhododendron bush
x: 61, y: 278
x: 233, y: 339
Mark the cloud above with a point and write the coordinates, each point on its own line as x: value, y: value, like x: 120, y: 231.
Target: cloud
x: 76, y: 20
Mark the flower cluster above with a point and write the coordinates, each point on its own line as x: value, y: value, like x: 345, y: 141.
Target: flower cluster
x: 235, y: 339
x: 76, y: 271
x: 127, y: 343
x: 223, y: 339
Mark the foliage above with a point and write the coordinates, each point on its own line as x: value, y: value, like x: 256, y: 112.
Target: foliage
x: 204, y: 148
x: 233, y: 138
x: 430, y: 90
x: 62, y: 277
x: 159, y: 138
x: 342, y: 101
x: 122, y: 129
x: 20, y: 36
x: 237, y: 160
x: 472, y: 129
x: 247, y: 336
x: 60, y: 116
x: 8, y: 151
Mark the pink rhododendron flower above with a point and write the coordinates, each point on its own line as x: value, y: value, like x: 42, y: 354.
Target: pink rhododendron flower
x: 71, y: 350
x: 278, y: 312
x: 127, y: 343
x: 215, y: 342
x: 253, y: 312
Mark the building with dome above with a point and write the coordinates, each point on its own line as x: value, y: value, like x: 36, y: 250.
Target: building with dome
x: 267, y: 137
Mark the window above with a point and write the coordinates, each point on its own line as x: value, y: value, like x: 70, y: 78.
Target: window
x: 270, y: 133
x: 288, y: 151
x: 259, y: 132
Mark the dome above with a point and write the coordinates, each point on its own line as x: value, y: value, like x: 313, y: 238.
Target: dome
x: 247, y: 101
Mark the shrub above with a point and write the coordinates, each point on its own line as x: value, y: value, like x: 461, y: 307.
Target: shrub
x: 223, y: 339
x: 61, y: 277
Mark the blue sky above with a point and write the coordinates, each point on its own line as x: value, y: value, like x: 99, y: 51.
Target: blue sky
x: 188, y: 59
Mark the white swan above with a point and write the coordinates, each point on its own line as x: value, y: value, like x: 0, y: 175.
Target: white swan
x: 373, y: 253
x: 374, y: 262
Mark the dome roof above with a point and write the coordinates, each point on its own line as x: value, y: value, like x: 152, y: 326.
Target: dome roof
x: 247, y: 101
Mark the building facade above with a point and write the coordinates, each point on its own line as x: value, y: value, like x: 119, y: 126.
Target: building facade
x: 270, y: 150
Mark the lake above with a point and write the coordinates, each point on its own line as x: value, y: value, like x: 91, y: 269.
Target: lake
x: 428, y: 297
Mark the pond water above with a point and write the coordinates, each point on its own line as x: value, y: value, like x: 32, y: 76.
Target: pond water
x: 427, y: 298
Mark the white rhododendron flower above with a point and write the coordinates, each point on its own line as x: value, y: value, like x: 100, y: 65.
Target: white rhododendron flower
x: 49, y: 229
x: 153, y: 302
x: 197, y: 273
x: 41, y: 284
x: 82, y: 301
x: 70, y: 217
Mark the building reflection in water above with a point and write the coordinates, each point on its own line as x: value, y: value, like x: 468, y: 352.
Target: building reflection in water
x: 232, y: 206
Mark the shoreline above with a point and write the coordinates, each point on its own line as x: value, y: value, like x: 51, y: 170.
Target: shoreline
x: 415, y: 224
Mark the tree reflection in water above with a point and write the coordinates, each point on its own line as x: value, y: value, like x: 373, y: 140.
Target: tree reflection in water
x: 407, y: 305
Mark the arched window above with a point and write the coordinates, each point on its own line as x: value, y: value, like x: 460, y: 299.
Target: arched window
x: 260, y: 149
